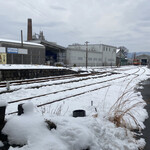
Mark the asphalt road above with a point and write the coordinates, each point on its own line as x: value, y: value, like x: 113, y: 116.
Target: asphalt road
x: 146, y: 96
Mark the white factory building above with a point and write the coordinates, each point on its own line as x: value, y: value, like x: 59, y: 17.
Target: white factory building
x: 98, y: 55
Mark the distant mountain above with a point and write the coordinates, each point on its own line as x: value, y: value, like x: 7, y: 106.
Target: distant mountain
x: 130, y: 55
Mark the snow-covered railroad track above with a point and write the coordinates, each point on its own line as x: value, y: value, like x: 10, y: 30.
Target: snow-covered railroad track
x: 44, y: 79
x: 74, y: 88
x: 76, y: 80
x: 102, y: 104
x: 62, y: 77
x: 17, y: 85
x: 124, y: 69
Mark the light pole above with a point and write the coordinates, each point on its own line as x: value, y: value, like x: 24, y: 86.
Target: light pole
x: 120, y: 57
x: 86, y: 53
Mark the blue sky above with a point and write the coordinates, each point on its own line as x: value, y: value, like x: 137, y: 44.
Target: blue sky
x: 113, y: 22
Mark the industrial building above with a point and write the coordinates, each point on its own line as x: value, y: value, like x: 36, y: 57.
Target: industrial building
x: 53, y: 52
x: 74, y: 55
x: 143, y: 59
x: 17, y: 52
x: 37, y: 50
x: 95, y: 54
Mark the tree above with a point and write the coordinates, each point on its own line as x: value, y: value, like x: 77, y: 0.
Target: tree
x: 123, y: 51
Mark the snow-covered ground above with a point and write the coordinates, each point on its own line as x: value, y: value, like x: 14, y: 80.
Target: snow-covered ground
x: 98, y: 130
x: 12, y: 66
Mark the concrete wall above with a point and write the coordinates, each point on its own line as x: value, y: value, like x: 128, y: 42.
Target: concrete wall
x: 79, y: 58
x: 17, y: 74
x: 98, y: 55
x: 109, y: 55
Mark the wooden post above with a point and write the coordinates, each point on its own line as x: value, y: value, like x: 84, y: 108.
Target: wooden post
x: 91, y: 103
x: 2, y: 114
x: 7, y: 85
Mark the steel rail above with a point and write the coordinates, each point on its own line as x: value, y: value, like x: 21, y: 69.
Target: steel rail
x: 68, y: 90
x: 24, y: 99
x: 61, y: 99
x: 59, y: 83
x: 39, y: 80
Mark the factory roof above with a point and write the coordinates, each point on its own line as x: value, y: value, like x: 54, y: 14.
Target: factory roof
x: 76, y: 44
x: 19, y: 42
x: 49, y: 44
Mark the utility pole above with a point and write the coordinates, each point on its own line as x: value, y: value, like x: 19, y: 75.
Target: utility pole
x: 22, y: 43
x: 120, y: 57
x: 86, y: 53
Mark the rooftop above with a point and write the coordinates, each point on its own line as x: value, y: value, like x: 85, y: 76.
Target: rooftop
x: 19, y: 42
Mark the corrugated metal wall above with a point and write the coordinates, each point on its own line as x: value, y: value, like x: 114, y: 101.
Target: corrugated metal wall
x: 35, y: 54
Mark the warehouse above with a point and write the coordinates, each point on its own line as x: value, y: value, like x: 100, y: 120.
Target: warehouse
x: 97, y: 55
x: 144, y: 59
x: 53, y: 52
x: 17, y: 52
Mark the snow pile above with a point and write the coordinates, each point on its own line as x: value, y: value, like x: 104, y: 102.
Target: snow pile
x: 72, y: 133
x: 95, y: 131
x: 28, y: 107
x: 13, y: 66
x: 3, y: 103
x: 30, y: 131
x: 21, y: 128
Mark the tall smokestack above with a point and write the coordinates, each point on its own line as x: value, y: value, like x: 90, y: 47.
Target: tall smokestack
x: 29, y: 34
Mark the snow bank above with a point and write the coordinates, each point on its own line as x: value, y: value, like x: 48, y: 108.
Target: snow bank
x: 71, y: 134
x: 31, y: 131
x: 95, y: 132
x: 28, y: 107
x: 13, y: 66
x: 3, y: 103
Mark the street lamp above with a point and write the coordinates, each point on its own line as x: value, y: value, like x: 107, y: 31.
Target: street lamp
x: 86, y: 53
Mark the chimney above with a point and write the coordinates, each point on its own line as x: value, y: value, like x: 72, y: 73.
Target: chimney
x: 29, y: 34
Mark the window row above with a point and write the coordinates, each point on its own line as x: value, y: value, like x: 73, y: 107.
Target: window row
x: 108, y: 49
x: 90, y: 59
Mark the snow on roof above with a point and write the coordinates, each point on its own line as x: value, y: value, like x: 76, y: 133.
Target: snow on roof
x: 117, y: 50
x: 18, y: 42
